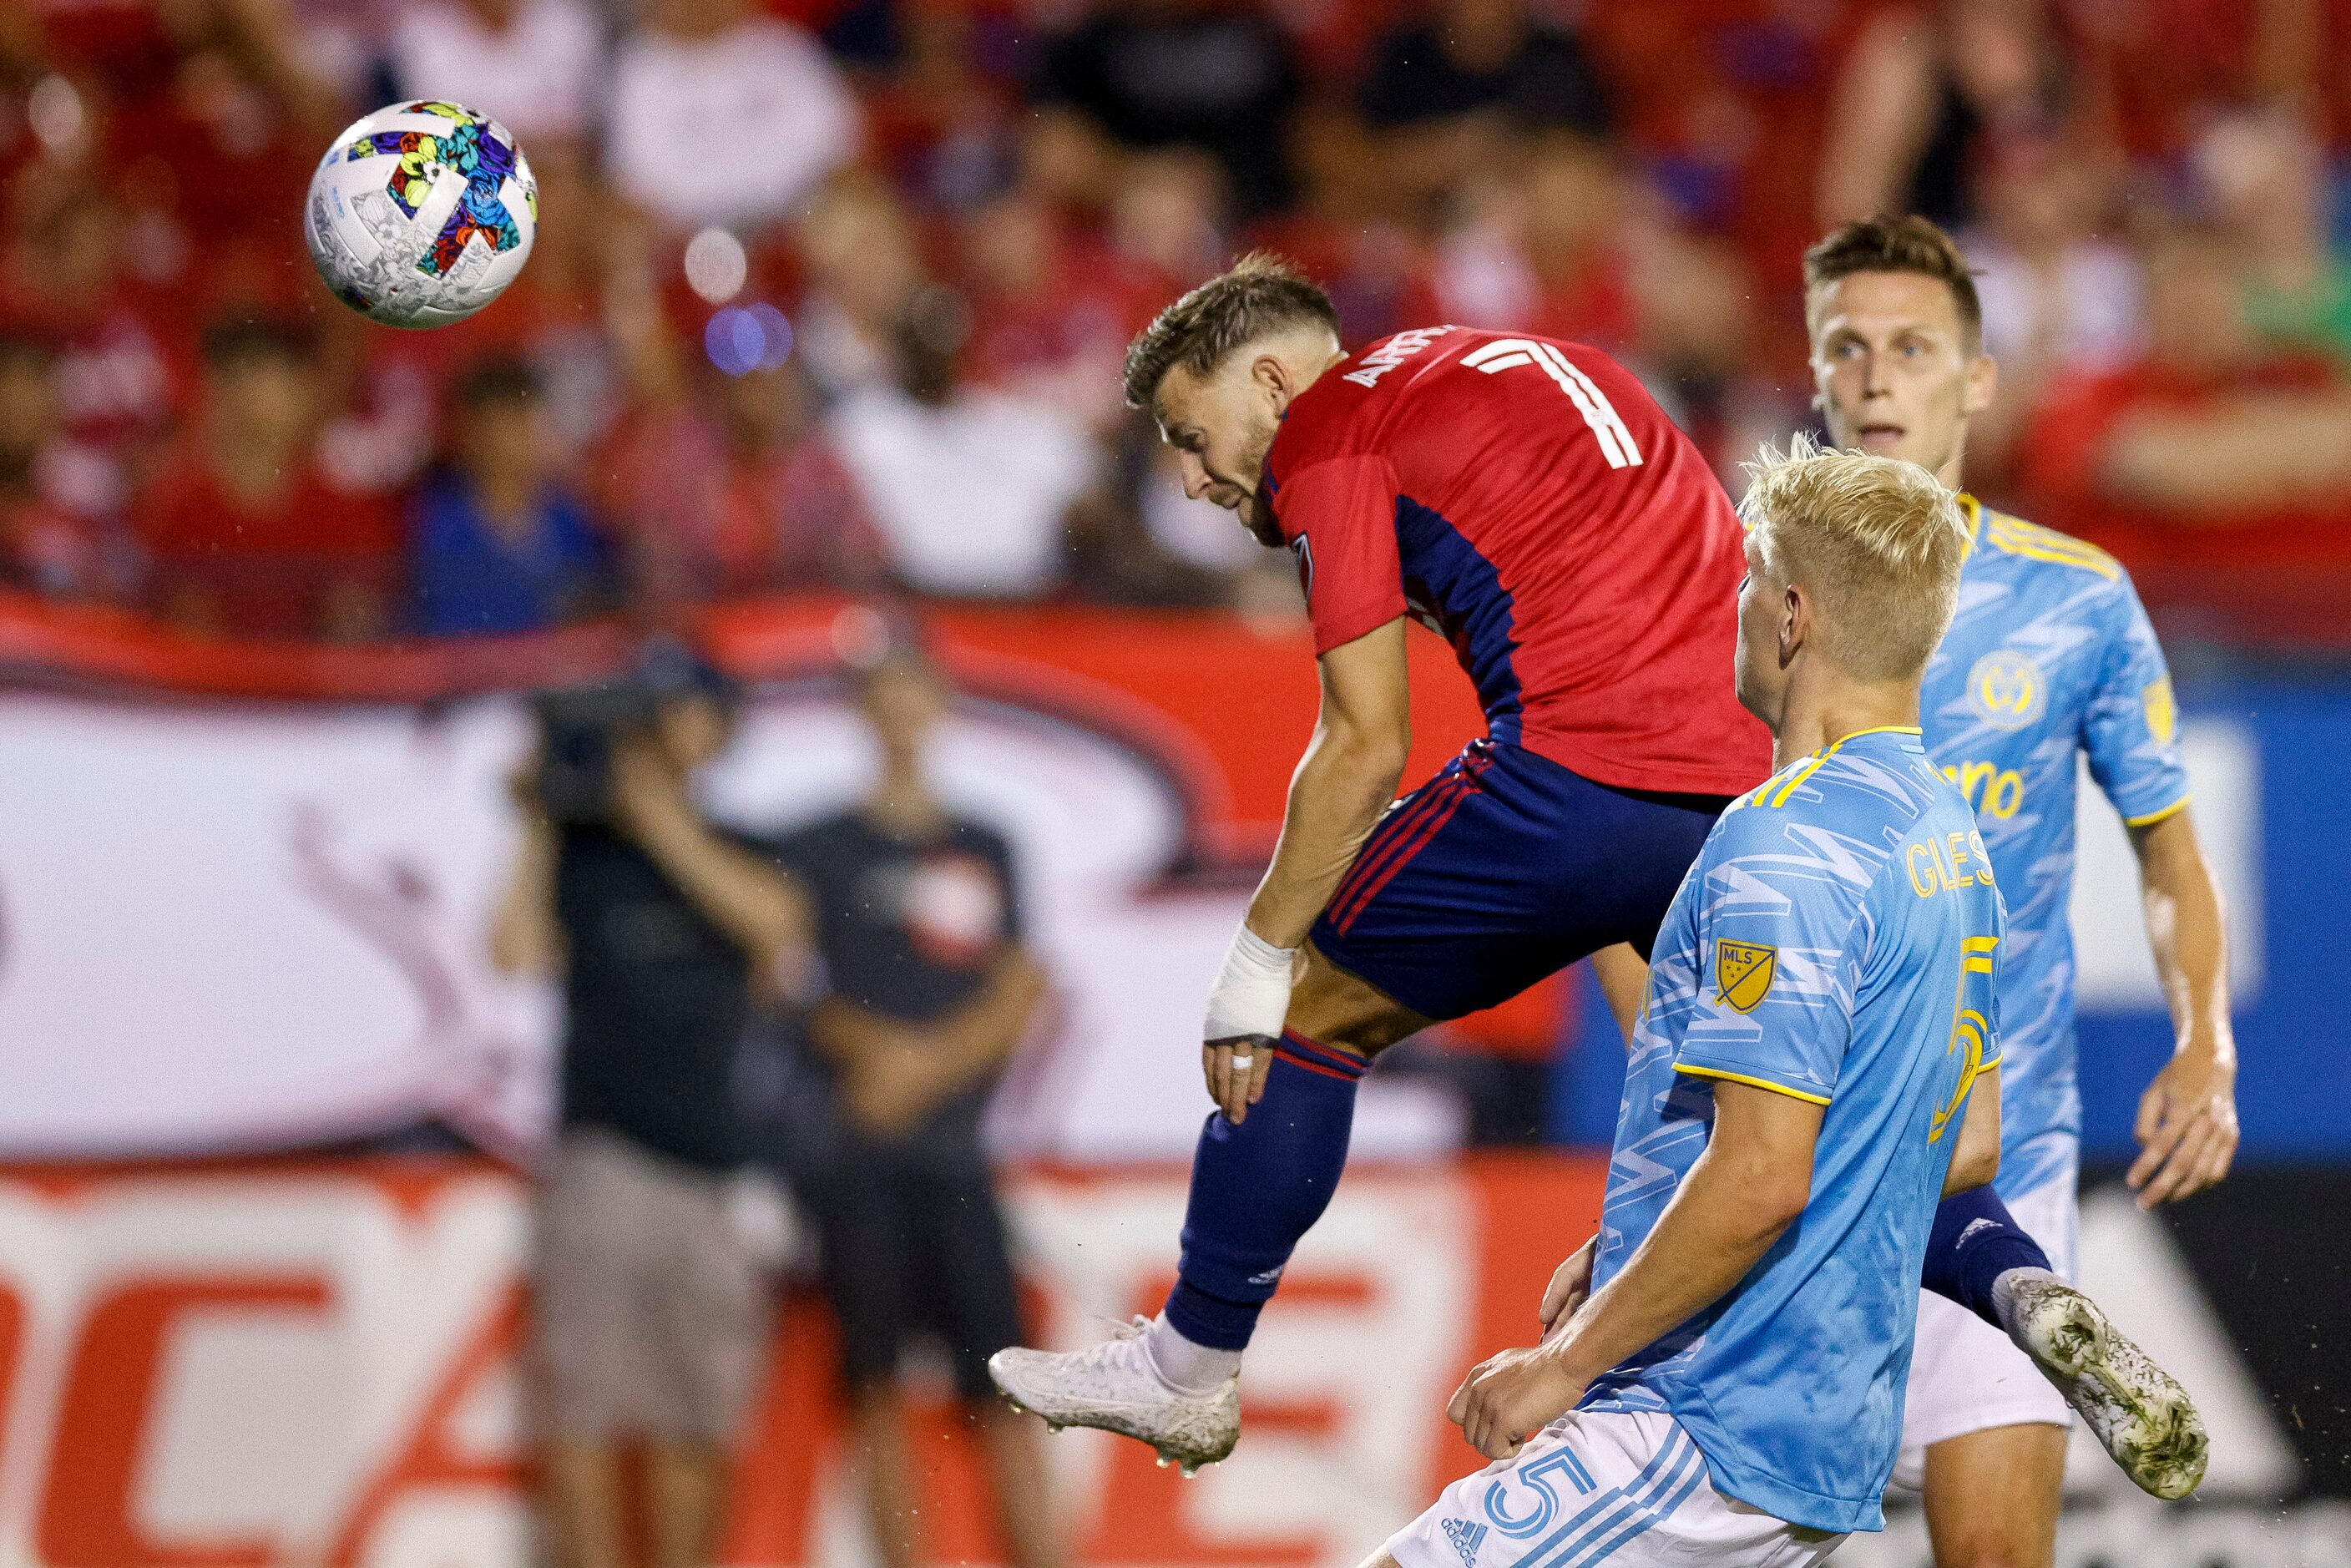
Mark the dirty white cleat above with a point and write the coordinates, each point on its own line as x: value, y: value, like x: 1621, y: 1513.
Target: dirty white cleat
x: 1114, y: 1386
x: 2134, y: 1408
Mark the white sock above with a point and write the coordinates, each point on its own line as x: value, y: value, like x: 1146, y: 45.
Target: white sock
x: 1186, y: 1367
x: 2003, y: 1291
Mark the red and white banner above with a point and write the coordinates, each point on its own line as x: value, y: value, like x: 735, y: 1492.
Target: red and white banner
x: 315, y: 1364
x: 259, y: 920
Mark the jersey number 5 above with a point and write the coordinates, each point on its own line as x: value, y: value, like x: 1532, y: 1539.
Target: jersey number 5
x: 1510, y: 353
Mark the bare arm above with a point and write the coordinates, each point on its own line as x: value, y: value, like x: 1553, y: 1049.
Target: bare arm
x: 1878, y: 119
x: 2188, y: 1117
x: 894, y: 1074
x: 1343, y: 782
x: 752, y: 902
x: 2245, y: 454
x: 1623, y: 984
x: 524, y: 937
x: 1749, y: 1185
x: 1975, y: 1159
x: 973, y: 1040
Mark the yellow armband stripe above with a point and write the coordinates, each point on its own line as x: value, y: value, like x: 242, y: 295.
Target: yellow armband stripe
x: 2154, y: 817
x: 1751, y: 1082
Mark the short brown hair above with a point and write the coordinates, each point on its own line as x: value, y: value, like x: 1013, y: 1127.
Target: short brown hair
x: 1879, y: 543
x: 1260, y: 295
x: 1888, y: 244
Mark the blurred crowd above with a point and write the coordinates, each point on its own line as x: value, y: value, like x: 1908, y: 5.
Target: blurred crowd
x: 831, y: 294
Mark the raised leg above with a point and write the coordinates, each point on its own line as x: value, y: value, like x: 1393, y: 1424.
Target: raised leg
x: 1260, y: 1183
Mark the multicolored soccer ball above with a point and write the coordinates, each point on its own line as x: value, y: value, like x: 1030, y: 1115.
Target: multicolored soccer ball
x: 422, y: 214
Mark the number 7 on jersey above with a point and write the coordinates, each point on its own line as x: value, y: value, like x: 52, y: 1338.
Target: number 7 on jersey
x: 1509, y: 353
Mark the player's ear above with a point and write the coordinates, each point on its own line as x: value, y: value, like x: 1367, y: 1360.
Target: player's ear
x: 1272, y: 378
x: 1795, y: 622
x: 1983, y: 382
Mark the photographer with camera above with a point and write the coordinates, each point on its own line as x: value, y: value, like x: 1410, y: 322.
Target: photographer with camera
x: 651, y: 1313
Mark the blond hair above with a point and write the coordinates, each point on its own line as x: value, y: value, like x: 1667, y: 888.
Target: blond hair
x: 1257, y: 297
x: 1876, y: 541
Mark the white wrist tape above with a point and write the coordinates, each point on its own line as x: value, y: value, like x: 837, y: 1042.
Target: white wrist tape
x: 1252, y: 995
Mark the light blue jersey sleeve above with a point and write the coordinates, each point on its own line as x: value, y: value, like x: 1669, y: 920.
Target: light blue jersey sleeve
x: 2130, y: 728
x: 1783, y: 938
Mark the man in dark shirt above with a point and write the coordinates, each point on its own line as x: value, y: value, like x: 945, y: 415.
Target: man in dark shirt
x: 1451, y: 91
x: 650, y: 1311
x: 917, y: 914
x: 1159, y: 73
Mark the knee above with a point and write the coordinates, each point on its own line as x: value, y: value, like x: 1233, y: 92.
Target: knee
x: 1992, y: 1548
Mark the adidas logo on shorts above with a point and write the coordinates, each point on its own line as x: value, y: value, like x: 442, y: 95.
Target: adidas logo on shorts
x: 1465, y: 1538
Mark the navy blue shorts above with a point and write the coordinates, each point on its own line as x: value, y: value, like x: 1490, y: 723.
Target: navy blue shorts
x: 1503, y: 867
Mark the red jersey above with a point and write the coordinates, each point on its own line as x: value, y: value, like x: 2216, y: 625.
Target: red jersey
x: 1530, y: 501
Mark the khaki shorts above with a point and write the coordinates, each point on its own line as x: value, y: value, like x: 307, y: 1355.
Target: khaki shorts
x: 651, y: 1314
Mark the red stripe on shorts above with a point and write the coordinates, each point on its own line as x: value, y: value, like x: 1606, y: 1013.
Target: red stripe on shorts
x: 1391, y: 830
x: 1297, y: 1061
x: 1397, y: 862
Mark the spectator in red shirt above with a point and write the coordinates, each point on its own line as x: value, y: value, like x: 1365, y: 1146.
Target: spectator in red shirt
x: 1345, y: 230
x: 1545, y: 251
x: 2220, y: 471
x: 50, y: 544
x: 1050, y: 314
x: 62, y: 279
x: 726, y: 486
x: 244, y: 534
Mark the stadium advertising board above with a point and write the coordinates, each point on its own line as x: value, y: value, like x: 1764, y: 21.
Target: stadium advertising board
x: 315, y: 1363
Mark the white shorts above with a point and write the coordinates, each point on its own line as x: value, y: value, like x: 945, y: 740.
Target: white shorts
x: 1625, y: 1488
x: 1965, y: 1375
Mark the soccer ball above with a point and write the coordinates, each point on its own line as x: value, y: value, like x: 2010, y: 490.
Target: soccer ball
x: 422, y: 214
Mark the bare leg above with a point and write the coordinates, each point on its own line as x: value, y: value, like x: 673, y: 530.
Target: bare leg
x: 879, y: 1423
x: 1993, y: 1497
x: 1334, y: 1007
x: 1625, y: 981
x: 582, y: 1503
x: 1016, y: 1470
x: 685, y: 1488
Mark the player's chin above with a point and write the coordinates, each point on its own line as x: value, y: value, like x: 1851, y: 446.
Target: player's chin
x: 1258, y: 518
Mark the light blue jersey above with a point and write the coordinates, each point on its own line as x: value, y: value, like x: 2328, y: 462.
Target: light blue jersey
x: 1836, y: 942
x: 2050, y: 655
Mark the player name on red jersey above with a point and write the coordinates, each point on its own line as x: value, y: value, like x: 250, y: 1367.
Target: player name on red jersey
x: 1530, y: 502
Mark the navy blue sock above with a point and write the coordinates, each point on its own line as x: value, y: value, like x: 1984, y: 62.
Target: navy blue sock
x: 1976, y: 1240
x: 1257, y: 1188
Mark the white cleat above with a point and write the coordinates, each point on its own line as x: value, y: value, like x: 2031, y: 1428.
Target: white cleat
x: 2134, y: 1408
x: 1113, y: 1386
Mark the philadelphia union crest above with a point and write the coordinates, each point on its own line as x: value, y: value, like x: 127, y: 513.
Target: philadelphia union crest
x: 2007, y: 689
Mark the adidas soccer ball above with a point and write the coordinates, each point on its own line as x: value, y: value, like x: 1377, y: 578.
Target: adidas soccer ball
x: 422, y: 214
